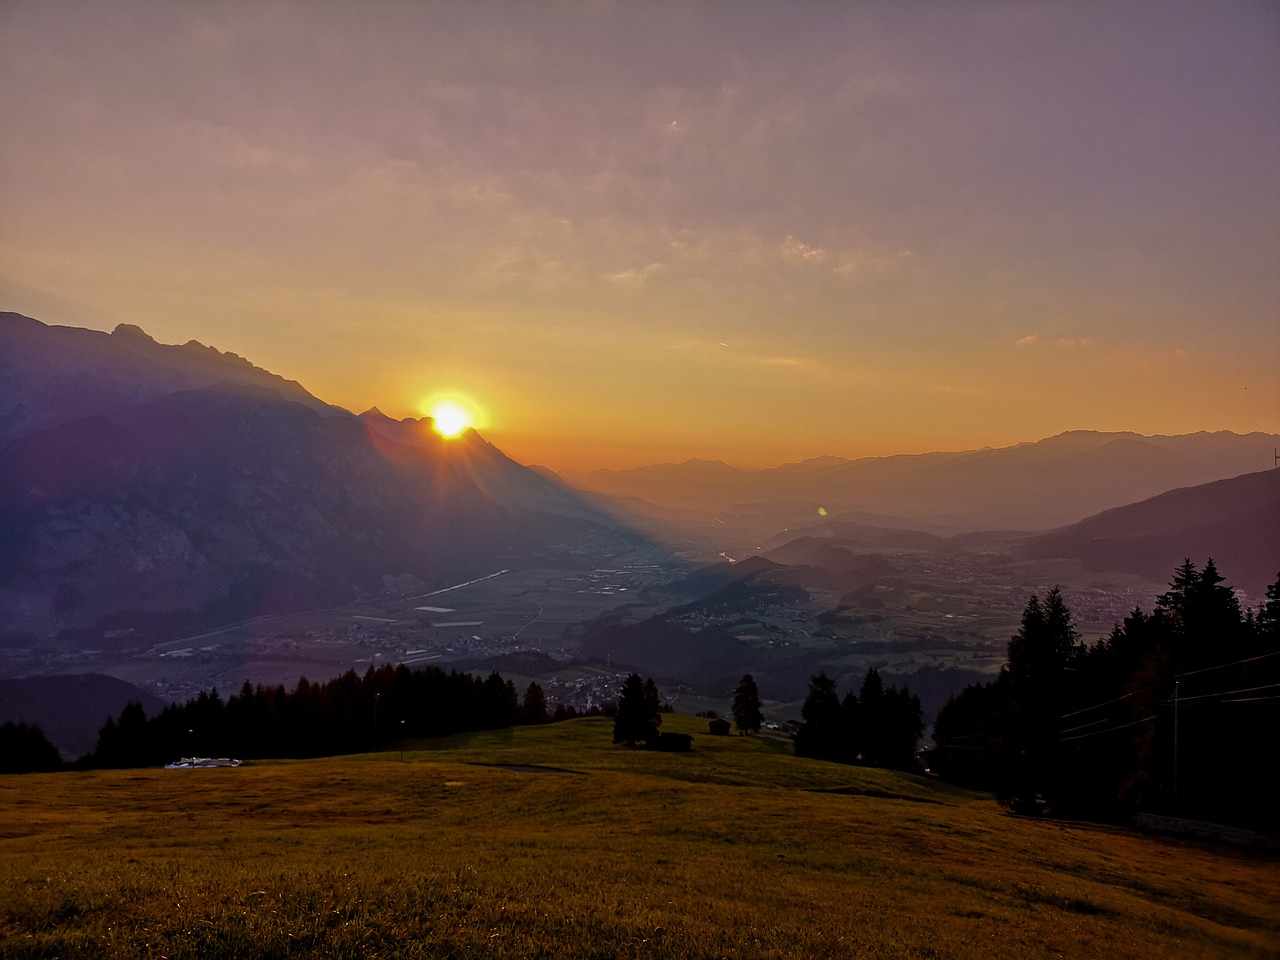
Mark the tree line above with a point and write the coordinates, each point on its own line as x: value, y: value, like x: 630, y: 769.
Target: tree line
x: 348, y: 714
x: 1176, y: 711
x: 879, y: 726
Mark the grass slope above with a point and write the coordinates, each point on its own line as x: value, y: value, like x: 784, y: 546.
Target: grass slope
x: 738, y: 850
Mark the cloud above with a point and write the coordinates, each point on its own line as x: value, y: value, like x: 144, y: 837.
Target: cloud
x: 636, y: 274
x: 1029, y: 340
x: 791, y: 363
x: 794, y: 249
x: 1068, y: 344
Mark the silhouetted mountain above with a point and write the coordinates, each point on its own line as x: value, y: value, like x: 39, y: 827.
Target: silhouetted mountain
x: 1029, y: 486
x: 223, y: 502
x: 168, y: 507
x: 500, y: 478
x: 70, y: 709
x: 50, y: 375
x: 1235, y: 521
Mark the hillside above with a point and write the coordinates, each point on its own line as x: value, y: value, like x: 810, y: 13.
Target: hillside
x: 1234, y: 521
x: 147, y: 489
x: 50, y: 375
x: 551, y: 842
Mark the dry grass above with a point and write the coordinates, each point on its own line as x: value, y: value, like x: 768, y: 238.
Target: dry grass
x: 736, y: 851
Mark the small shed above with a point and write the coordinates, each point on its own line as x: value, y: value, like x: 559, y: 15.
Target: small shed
x: 718, y: 727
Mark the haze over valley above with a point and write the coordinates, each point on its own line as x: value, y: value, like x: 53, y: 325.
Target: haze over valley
x: 180, y: 519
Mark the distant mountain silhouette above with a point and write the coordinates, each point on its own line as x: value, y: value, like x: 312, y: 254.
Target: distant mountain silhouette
x: 1030, y: 486
x: 70, y: 709
x: 1234, y: 521
x: 491, y: 471
x: 50, y: 375
x: 132, y: 501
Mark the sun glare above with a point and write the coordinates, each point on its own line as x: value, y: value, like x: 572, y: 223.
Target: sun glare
x: 450, y: 419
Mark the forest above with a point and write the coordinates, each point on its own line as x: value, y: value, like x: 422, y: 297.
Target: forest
x: 1175, y: 712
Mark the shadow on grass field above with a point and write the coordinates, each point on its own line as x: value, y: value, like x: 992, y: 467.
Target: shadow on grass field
x: 737, y: 850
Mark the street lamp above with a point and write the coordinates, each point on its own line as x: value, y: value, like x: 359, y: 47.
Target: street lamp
x: 402, y: 741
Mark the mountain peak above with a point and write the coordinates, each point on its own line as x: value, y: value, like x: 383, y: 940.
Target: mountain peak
x: 131, y: 331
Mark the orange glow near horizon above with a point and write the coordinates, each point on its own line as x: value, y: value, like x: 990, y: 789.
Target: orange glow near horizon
x: 452, y: 415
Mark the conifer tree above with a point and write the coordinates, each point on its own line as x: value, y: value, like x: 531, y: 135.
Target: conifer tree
x: 634, y: 721
x: 533, y: 709
x: 820, y: 736
x: 746, y: 706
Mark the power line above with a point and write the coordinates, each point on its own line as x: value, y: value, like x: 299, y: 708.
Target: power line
x: 1226, y: 693
x: 1086, y: 726
x: 1219, y: 666
x: 1095, y: 706
x: 1123, y: 726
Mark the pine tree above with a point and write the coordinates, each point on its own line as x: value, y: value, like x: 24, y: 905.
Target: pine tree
x: 634, y: 722
x: 1039, y: 654
x: 533, y: 709
x: 820, y: 735
x: 746, y: 706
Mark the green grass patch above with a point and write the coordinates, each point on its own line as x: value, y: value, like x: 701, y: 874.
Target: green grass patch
x: 737, y: 850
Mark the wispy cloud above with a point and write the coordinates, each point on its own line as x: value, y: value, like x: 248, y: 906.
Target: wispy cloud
x: 794, y: 249
x: 637, y: 274
x: 1029, y: 340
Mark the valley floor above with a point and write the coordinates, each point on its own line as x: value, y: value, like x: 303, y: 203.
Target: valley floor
x: 484, y: 846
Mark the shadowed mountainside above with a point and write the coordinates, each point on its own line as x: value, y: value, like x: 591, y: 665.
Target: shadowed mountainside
x: 135, y: 494
x: 70, y: 709
x: 1234, y: 521
x: 51, y: 374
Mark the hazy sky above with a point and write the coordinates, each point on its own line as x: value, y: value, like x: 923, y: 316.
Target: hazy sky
x: 644, y: 231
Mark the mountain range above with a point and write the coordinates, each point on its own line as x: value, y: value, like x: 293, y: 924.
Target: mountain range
x: 147, y: 486
x: 1028, y: 486
x: 150, y: 487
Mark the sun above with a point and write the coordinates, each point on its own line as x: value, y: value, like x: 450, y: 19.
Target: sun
x: 452, y: 413
x: 449, y: 419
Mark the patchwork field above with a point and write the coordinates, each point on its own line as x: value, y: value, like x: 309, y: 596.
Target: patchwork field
x: 551, y: 842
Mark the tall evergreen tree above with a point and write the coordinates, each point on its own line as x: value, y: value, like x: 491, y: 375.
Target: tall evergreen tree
x: 533, y: 709
x: 633, y: 722
x: 1039, y: 654
x: 820, y: 736
x: 746, y: 706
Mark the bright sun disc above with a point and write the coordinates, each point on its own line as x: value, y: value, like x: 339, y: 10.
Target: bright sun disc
x: 449, y: 419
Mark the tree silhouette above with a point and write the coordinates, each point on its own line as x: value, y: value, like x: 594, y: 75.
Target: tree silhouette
x: 633, y: 722
x: 746, y: 706
x: 1156, y: 716
x: 533, y: 708
x: 25, y: 749
x: 821, y: 734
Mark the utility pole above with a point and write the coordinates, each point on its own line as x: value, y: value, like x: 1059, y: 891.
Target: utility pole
x: 1175, y: 743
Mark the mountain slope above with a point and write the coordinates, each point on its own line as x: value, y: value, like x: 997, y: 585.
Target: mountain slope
x: 224, y: 502
x: 50, y: 375
x: 1234, y: 521
x: 151, y: 487
x: 491, y: 471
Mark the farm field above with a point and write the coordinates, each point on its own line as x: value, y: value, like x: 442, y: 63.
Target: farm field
x: 552, y: 842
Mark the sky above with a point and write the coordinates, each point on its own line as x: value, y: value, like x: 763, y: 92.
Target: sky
x: 637, y: 232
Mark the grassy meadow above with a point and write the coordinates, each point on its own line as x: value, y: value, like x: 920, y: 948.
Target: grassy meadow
x: 471, y: 847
